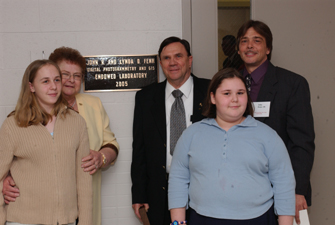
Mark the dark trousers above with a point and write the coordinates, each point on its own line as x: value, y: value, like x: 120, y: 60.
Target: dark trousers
x: 267, y: 218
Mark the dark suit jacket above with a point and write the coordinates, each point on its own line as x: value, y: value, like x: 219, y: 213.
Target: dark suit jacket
x: 148, y: 172
x: 291, y: 116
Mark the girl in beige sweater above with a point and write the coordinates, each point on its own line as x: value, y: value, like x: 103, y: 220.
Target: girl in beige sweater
x: 42, y: 143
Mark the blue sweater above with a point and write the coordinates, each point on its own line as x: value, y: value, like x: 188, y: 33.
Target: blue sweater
x: 228, y: 175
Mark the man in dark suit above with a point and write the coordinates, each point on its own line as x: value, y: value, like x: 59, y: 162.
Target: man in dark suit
x: 151, y: 128
x: 289, y: 111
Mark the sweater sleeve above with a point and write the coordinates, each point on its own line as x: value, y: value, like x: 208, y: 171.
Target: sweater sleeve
x: 179, y: 178
x: 281, y: 177
x: 6, y: 155
x: 84, y: 180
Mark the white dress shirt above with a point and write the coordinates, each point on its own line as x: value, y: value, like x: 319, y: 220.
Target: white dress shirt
x: 187, y: 89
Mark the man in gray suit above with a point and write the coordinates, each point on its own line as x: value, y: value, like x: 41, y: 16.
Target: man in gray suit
x: 284, y: 100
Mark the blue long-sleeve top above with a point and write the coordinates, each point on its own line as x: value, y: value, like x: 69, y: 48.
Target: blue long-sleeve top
x: 234, y: 174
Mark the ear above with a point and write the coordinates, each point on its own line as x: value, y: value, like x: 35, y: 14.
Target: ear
x: 190, y: 60
x: 31, y: 86
x: 267, y: 51
x: 212, y: 98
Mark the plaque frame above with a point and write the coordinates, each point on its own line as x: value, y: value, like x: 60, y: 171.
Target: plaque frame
x: 153, y: 73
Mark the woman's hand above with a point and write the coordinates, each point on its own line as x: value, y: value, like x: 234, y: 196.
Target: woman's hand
x: 92, y: 162
x: 9, y: 191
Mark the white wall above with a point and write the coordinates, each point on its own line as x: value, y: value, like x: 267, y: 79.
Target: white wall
x: 113, y: 27
x: 204, y: 37
x: 304, y: 34
x: 199, y: 27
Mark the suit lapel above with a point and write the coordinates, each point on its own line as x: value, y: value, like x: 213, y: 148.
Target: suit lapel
x: 198, y: 99
x: 268, y: 89
x: 158, y: 109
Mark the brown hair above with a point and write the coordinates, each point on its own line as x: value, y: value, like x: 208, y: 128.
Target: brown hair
x: 209, y: 109
x: 28, y: 111
x: 260, y: 28
x: 69, y: 54
x: 171, y: 40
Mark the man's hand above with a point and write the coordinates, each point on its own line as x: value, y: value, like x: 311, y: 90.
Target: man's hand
x: 92, y: 162
x: 9, y: 191
x: 137, y: 207
x: 300, y: 204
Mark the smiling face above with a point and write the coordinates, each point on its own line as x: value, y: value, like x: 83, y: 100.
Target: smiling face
x: 71, y: 78
x: 231, y: 100
x: 253, y: 49
x: 46, y: 86
x: 176, y: 64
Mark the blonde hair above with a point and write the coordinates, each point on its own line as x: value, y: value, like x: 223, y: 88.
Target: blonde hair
x: 28, y: 111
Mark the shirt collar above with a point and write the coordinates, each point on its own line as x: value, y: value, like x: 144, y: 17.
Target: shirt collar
x: 258, y: 73
x: 248, y: 122
x: 186, y: 88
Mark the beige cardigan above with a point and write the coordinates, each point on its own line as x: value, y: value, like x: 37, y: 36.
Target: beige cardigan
x: 100, y: 134
x: 53, y: 186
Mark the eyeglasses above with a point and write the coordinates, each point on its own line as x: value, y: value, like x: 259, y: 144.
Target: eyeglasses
x: 76, y: 76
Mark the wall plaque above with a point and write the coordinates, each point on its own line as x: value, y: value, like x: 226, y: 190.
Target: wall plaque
x: 120, y: 73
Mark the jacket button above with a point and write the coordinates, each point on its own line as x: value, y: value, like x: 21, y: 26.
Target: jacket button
x: 164, y: 188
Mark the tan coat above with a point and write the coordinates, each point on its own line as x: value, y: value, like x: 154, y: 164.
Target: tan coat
x: 100, y: 134
x: 53, y: 186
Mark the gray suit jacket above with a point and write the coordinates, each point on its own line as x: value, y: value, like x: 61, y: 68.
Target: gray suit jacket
x: 291, y: 116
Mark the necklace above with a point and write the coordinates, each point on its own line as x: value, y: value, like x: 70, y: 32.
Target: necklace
x: 73, y: 103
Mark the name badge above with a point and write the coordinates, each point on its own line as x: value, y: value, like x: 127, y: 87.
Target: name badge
x: 261, y: 109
